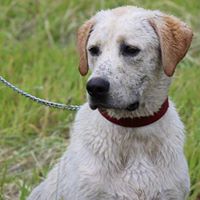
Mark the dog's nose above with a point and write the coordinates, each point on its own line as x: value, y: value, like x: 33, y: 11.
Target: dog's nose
x: 98, y: 87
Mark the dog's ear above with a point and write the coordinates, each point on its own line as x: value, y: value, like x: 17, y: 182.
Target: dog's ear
x: 82, y: 38
x: 175, y: 39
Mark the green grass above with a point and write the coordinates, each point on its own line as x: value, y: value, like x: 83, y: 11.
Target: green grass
x: 38, y: 54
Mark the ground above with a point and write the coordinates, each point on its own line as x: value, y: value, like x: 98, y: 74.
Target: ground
x: 38, y: 54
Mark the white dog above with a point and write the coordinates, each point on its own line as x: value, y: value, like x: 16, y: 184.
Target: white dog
x: 127, y: 142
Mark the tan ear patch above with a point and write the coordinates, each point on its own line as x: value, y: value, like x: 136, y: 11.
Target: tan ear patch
x: 82, y: 38
x: 175, y: 39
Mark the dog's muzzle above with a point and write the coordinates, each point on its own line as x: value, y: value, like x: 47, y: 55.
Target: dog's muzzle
x: 98, y: 90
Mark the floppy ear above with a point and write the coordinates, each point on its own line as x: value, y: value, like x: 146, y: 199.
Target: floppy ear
x: 175, y: 39
x: 82, y: 38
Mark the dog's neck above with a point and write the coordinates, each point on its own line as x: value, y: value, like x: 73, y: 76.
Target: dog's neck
x: 146, y: 109
x: 138, y: 121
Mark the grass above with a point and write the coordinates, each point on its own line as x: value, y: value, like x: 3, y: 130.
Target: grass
x: 37, y: 45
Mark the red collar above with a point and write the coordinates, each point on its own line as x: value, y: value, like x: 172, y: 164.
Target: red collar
x: 138, y: 121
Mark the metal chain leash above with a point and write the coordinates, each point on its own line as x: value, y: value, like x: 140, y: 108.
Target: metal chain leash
x: 39, y: 100
x: 46, y: 103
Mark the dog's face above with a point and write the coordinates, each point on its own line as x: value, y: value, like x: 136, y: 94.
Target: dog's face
x: 128, y: 50
x: 124, y: 52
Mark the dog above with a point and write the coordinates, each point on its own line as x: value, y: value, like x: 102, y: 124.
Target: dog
x: 127, y: 141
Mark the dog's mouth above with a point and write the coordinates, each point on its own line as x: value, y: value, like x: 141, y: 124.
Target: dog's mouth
x: 133, y: 106
x: 102, y: 106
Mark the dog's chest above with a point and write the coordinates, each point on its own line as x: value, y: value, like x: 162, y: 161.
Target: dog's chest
x: 127, y: 179
x: 118, y: 164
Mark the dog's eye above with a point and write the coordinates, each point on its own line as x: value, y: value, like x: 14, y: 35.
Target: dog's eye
x: 94, y: 50
x: 128, y: 50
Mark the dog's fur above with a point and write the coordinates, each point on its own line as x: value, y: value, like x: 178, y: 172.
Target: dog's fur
x: 105, y: 161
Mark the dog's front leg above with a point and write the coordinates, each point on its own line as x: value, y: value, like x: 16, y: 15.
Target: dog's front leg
x: 61, y: 182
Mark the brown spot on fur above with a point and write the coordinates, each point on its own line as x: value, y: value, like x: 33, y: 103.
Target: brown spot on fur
x: 120, y: 39
x: 175, y: 39
x: 121, y: 10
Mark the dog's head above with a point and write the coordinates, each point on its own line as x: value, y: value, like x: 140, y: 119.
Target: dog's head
x: 132, y: 54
